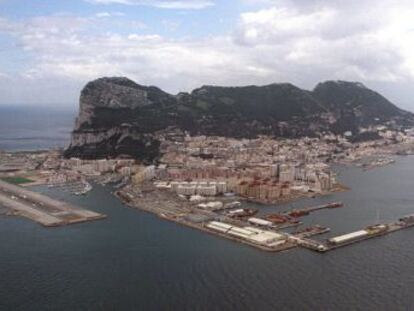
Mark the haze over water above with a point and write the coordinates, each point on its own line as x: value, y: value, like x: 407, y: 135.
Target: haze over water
x: 135, y: 261
x: 34, y: 128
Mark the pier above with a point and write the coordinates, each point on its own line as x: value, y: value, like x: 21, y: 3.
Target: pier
x: 265, y: 234
x: 42, y: 209
x: 307, y: 210
x: 329, y: 246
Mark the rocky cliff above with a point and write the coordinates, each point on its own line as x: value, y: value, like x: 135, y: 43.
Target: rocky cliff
x: 119, y: 117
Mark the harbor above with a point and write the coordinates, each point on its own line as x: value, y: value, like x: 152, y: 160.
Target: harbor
x: 271, y: 240
x: 146, y: 248
x: 244, y: 225
x: 295, y: 213
x: 366, y: 233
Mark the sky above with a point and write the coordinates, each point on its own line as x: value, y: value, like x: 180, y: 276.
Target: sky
x: 50, y: 49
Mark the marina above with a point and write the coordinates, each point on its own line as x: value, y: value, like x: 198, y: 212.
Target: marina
x: 75, y: 187
x: 138, y: 249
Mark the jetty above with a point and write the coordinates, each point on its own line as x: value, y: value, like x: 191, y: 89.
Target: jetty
x: 307, y: 210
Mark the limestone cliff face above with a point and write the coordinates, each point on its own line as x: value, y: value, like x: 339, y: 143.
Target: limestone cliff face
x: 113, y: 142
x: 93, y: 137
x: 119, y: 117
x: 111, y: 93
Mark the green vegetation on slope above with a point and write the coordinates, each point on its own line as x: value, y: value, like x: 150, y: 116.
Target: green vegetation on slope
x: 17, y: 180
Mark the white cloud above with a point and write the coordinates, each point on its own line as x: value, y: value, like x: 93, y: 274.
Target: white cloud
x: 302, y: 44
x: 164, y: 4
x: 4, y: 75
x: 275, y: 24
x: 371, y: 45
x: 109, y: 14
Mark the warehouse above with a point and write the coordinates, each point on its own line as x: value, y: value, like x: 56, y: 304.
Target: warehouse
x: 348, y: 237
x: 219, y: 226
x: 264, y: 237
x: 259, y: 222
x: 240, y: 232
x: 250, y: 234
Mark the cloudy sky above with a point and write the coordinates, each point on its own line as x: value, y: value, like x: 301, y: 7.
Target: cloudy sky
x: 50, y: 49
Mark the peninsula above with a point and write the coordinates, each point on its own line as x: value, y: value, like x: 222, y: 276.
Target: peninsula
x: 196, y: 158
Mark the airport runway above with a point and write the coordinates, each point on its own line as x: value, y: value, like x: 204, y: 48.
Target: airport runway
x: 42, y: 209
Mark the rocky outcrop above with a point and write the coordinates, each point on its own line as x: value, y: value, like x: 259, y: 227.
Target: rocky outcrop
x: 119, y: 117
x: 355, y: 105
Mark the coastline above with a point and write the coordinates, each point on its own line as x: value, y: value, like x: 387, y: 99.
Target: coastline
x: 142, y: 207
x: 164, y: 204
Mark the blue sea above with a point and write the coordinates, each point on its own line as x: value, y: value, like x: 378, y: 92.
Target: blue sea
x: 33, y: 128
x: 133, y: 260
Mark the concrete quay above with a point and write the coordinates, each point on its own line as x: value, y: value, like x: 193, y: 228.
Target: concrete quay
x: 167, y: 206
x: 42, y: 209
x: 323, y: 247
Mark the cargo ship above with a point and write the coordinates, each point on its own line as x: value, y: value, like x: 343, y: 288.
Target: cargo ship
x: 310, y: 231
x: 298, y: 213
x: 307, y: 210
x: 281, y: 219
x: 242, y: 212
x: 334, y: 205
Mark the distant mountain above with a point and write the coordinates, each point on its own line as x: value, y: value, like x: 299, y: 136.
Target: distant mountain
x: 354, y: 105
x: 119, y: 117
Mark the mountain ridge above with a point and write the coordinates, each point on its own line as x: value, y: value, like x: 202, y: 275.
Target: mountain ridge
x: 116, y: 114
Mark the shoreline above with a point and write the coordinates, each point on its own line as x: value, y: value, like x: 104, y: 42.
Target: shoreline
x: 202, y: 228
x: 167, y: 206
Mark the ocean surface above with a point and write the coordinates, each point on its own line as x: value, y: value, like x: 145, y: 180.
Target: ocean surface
x: 35, y: 128
x: 135, y: 261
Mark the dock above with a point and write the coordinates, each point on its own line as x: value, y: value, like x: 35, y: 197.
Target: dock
x: 263, y: 235
x: 307, y: 210
x: 326, y: 246
x: 42, y: 209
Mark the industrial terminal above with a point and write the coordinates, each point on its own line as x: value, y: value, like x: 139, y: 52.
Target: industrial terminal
x: 214, y: 184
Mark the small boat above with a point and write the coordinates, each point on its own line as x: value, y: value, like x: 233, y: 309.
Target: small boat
x: 277, y: 218
x: 298, y: 213
x: 335, y: 205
